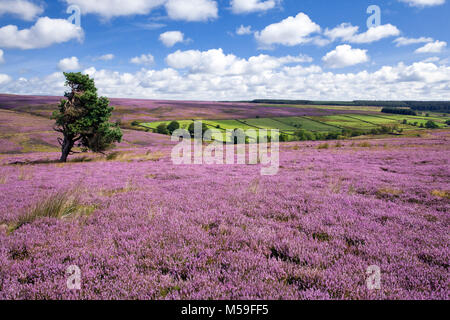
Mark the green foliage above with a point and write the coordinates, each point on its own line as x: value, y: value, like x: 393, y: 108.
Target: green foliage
x: 399, y: 111
x: 174, y: 125
x: 431, y: 125
x: 283, y: 137
x: 191, y: 130
x: 162, y: 129
x: 83, y: 117
x: 447, y: 122
x: 135, y: 123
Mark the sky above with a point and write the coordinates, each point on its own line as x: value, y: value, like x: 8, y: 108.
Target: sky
x: 229, y: 49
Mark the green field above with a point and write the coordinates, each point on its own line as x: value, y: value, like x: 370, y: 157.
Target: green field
x: 317, y: 124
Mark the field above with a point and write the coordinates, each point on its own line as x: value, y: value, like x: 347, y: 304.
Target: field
x: 140, y: 227
x: 324, y: 124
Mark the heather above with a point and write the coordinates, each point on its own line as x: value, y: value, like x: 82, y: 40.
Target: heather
x: 141, y: 228
x: 127, y: 110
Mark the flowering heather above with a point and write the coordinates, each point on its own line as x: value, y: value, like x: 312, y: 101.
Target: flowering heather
x: 154, y: 110
x: 143, y: 228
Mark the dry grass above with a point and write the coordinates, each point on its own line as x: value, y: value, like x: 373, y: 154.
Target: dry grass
x: 388, y: 193
x: 365, y: 145
x: 129, y: 187
x: 254, y: 186
x: 60, y: 205
x: 3, y: 179
x: 25, y: 174
x: 441, y: 194
x: 130, y: 156
x: 323, y: 146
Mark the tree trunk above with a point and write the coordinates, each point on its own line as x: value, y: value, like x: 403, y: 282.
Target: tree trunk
x: 66, y: 148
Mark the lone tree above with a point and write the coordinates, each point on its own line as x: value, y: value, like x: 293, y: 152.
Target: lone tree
x: 83, y: 118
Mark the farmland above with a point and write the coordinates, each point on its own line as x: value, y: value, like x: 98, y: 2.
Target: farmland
x: 140, y: 227
x: 319, y: 124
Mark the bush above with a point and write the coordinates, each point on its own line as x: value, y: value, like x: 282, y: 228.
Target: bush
x: 191, y: 130
x: 431, y: 125
x: 283, y: 138
x: 162, y: 129
x: 447, y: 122
x: 323, y: 146
x: 135, y: 123
x: 174, y: 125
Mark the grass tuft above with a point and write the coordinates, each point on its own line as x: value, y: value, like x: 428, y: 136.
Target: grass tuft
x: 364, y: 145
x: 441, y: 194
x: 59, y: 206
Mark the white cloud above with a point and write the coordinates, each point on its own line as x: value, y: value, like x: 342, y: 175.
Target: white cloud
x: 21, y: 8
x: 402, y: 41
x: 145, y: 59
x: 171, y: 38
x: 418, y: 81
x: 289, y: 32
x: 242, y: 30
x: 247, y: 6
x: 105, y: 57
x: 432, y: 47
x: 424, y: 3
x: 2, y: 60
x: 192, y: 10
x: 4, y: 79
x: 345, y: 56
x: 216, y: 62
x: 44, y: 33
x: 69, y: 64
x: 115, y: 8
x: 347, y: 32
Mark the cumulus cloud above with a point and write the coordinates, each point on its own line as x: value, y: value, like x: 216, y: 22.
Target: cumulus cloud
x: 44, y: 33
x: 171, y: 38
x: 345, y: 56
x: 417, y: 81
x: 4, y: 79
x: 69, y: 64
x: 192, y: 10
x: 115, y: 8
x: 105, y: 57
x: 349, y: 33
x: 432, y: 47
x: 402, y: 41
x: 423, y: 3
x: 291, y: 31
x: 247, y: 6
x: 2, y: 60
x: 144, y: 59
x: 243, y: 30
x: 24, y: 9
x: 215, y: 61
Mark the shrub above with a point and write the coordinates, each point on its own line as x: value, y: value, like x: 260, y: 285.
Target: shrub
x: 191, y: 130
x: 162, y: 129
x: 323, y: 146
x: 283, y: 137
x: 174, y: 125
x: 431, y: 125
x: 135, y: 123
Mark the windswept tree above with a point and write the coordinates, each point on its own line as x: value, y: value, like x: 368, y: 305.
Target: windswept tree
x: 83, y: 118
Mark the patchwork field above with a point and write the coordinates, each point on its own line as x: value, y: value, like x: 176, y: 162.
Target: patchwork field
x: 140, y: 227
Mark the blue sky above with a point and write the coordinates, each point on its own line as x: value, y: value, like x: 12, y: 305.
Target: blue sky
x: 191, y: 49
